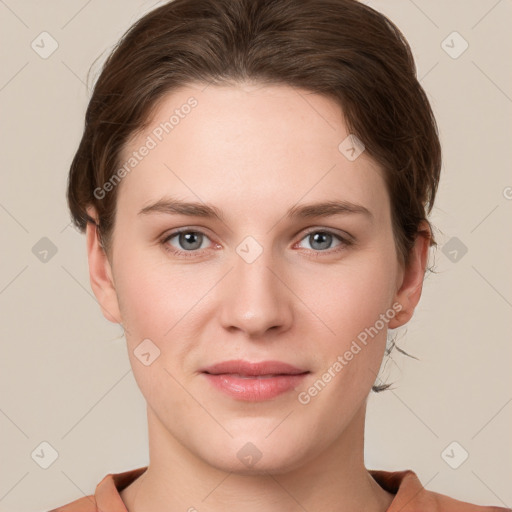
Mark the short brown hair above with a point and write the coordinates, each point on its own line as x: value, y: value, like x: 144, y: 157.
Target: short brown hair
x: 342, y: 49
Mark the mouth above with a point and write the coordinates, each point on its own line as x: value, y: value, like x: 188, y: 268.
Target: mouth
x: 255, y: 382
x: 237, y: 375
x: 248, y: 369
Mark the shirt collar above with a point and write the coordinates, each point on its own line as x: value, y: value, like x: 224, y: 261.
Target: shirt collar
x: 409, y: 495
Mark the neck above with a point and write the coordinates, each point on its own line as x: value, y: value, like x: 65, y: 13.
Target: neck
x: 177, y: 480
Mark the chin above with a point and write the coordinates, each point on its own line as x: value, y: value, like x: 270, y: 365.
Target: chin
x: 271, y: 464
x: 257, y: 455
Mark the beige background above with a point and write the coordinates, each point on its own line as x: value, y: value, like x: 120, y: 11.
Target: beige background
x: 65, y: 375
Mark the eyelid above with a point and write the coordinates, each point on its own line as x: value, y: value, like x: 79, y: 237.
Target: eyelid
x: 166, y: 237
x: 343, y: 235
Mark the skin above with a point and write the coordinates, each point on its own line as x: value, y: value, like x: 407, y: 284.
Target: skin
x: 253, y: 151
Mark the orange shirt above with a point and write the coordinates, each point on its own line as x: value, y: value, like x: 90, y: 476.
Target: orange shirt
x: 410, y: 496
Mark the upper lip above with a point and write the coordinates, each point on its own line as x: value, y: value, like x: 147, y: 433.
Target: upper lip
x: 241, y: 367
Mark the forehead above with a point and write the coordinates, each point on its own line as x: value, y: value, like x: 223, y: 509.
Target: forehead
x: 252, y: 144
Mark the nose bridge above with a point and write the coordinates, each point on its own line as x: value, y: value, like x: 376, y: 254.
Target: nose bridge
x: 254, y: 299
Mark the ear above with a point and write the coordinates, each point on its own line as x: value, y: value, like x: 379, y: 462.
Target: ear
x: 100, y: 272
x: 409, y: 290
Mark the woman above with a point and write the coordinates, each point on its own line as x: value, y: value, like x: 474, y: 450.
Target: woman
x: 254, y: 181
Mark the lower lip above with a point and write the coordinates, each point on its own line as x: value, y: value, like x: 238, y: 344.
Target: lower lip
x: 254, y: 389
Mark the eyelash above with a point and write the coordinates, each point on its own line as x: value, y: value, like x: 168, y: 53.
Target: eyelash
x: 345, y: 242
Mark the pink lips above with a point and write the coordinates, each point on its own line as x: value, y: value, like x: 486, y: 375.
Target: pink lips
x: 254, y: 381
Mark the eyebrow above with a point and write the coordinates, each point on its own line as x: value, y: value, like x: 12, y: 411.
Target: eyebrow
x: 174, y: 206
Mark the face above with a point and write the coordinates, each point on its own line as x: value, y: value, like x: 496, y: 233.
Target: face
x: 269, y: 278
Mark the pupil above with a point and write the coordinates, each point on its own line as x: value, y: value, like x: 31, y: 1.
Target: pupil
x: 189, y: 239
x: 318, y: 237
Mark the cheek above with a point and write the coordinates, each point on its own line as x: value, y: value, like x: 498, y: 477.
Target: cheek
x: 164, y: 303
x: 154, y: 296
x: 357, y: 309
x: 357, y: 295
x: 155, y: 300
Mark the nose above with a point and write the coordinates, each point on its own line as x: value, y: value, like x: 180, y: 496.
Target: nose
x: 255, y: 298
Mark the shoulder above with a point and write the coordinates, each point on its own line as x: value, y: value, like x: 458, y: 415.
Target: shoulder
x: 106, y: 497
x: 411, y: 495
x: 446, y: 504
